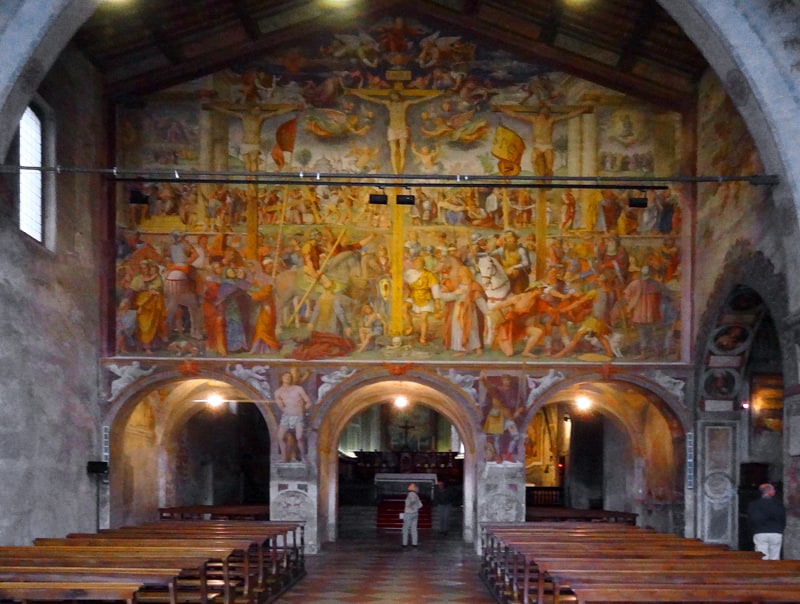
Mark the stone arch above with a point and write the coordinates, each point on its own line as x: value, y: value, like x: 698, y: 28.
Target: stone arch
x: 373, y: 386
x: 747, y: 270
x: 179, y: 409
x: 748, y: 294
x: 661, y: 388
x: 122, y: 405
x: 762, y: 82
x: 639, y: 405
x: 30, y: 41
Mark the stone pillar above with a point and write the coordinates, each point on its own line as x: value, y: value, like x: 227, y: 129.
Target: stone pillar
x: 501, y: 492
x: 718, y: 468
x: 293, y: 494
x: 791, y: 473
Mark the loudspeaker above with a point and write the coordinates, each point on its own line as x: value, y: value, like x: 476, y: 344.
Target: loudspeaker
x: 97, y: 467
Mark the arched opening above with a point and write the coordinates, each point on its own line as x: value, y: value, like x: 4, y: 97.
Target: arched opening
x: 611, y: 445
x: 341, y: 407
x: 188, y: 442
x: 743, y: 374
x: 382, y: 445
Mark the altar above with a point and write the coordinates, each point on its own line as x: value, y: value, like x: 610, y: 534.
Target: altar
x: 387, y: 484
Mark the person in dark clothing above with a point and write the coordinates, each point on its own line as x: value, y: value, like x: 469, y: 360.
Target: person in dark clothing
x: 767, y: 517
x: 444, y: 500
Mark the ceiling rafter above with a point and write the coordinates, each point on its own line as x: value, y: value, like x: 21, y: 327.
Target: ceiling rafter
x: 631, y: 49
x: 140, y: 51
x: 246, y: 19
x: 578, y: 65
x: 219, y: 59
x: 552, y: 24
x: 153, y: 20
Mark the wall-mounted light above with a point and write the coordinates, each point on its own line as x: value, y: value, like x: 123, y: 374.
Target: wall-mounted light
x: 405, y: 200
x: 400, y: 402
x: 583, y: 402
x: 214, y: 400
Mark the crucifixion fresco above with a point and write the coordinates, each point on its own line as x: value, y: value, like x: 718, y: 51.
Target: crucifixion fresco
x: 313, y: 270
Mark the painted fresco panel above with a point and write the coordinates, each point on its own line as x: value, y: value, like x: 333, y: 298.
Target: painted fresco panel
x: 252, y: 267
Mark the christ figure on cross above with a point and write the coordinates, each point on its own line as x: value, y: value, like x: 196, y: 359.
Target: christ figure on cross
x: 542, y: 123
x: 397, y: 134
x: 252, y: 117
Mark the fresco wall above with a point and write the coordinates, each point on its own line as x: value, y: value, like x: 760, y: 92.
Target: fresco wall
x: 313, y: 271
x: 727, y: 212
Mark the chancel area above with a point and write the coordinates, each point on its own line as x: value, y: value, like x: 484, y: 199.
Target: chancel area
x: 274, y: 262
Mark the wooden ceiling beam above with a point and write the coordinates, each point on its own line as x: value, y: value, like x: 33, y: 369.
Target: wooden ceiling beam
x: 632, y: 47
x: 551, y: 25
x: 221, y: 58
x: 485, y: 28
x: 246, y: 19
x: 153, y: 20
x: 471, y: 7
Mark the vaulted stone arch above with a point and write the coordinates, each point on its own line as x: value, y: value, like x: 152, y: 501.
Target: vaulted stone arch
x: 175, y: 397
x: 373, y: 386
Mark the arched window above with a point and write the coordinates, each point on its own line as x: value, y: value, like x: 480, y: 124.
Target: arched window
x: 31, y: 209
x: 36, y: 185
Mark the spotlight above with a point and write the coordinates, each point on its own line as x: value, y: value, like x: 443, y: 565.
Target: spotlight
x: 405, y: 200
x: 379, y: 198
x: 637, y: 201
x: 138, y: 198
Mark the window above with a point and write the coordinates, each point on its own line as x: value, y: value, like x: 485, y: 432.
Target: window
x: 36, y: 185
x: 30, y: 180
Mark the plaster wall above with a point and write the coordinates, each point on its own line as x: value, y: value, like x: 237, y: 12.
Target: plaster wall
x: 49, y: 412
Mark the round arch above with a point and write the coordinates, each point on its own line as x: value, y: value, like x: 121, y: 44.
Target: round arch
x: 371, y: 387
x: 178, y: 395
x: 654, y: 425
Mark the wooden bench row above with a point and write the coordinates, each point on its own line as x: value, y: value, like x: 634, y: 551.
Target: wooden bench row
x: 170, y: 562
x: 590, y: 563
x: 553, y: 514
x: 215, y: 512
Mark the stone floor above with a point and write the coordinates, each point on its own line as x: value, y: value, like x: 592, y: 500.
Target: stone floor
x: 370, y: 565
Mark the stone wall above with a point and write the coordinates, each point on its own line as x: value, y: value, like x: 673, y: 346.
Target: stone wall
x: 49, y: 321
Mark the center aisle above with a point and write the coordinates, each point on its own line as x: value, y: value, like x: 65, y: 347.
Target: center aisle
x: 374, y: 568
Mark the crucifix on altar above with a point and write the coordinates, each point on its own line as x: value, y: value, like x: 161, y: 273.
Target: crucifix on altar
x: 405, y: 427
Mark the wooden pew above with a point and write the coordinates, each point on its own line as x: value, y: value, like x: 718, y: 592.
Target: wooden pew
x: 290, y: 532
x: 194, y: 560
x: 212, y: 512
x: 644, y: 572
x: 159, y: 579
x: 53, y: 591
x: 561, y: 514
x: 508, y: 566
x: 184, y: 576
x: 237, y: 565
x: 280, y: 544
x: 600, y: 565
x: 669, y: 592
